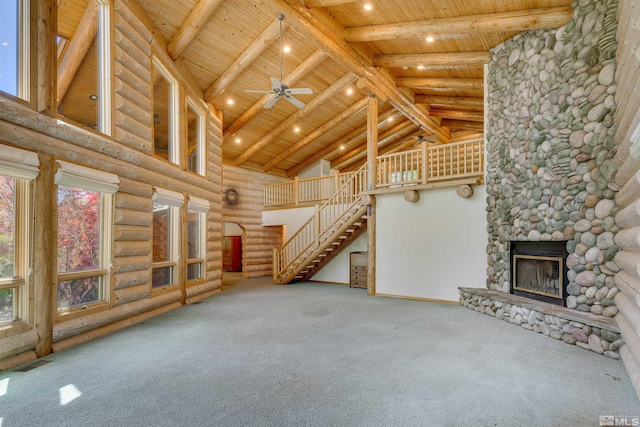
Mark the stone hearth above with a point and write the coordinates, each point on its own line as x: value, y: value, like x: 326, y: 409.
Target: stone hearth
x: 588, y: 331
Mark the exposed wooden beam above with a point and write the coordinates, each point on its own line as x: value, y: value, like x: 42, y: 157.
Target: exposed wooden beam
x: 473, y: 116
x: 245, y: 59
x: 307, y: 65
x: 354, y: 137
x: 398, y: 131
x: 462, y: 124
x: 190, y: 27
x: 432, y: 60
x: 332, y: 91
x: 79, y: 45
x: 452, y: 102
x: 439, y: 83
x: 336, y: 121
x: 326, y: 31
x: 326, y: 3
x: 515, y: 21
x: 372, y: 142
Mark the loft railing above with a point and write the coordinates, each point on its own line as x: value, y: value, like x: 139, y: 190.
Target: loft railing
x: 423, y: 165
x: 314, y: 231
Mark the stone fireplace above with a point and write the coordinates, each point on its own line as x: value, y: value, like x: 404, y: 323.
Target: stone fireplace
x: 550, y: 176
x: 539, y: 271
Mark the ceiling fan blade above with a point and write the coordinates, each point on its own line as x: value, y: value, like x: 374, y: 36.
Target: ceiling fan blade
x: 300, y: 91
x: 258, y: 91
x: 272, y: 102
x: 295, y: 101
x: 275, y: 84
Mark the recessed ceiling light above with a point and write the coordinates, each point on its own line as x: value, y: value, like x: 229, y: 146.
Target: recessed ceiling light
x: 296, y: 129
x: 93, y: 97
x: 238, y: 140
x: 430, y: 39
x: 287, y: 49
x: 420, y: 67
x: 349, y: 91
x: 390, y: 119
x: 368, y: 6
x: 342, y: 147
x: 230, y: 101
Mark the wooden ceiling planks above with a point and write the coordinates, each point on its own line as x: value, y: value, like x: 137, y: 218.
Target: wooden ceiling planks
x: 234, y: 25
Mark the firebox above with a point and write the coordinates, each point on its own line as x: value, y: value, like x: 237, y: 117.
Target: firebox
x: 539, y: 271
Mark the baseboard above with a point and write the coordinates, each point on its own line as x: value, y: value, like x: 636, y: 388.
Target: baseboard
x: 439, y: 301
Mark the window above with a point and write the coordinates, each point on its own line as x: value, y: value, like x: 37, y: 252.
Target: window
x: 165, y: 125
x: 84, y: 64
x: 196, y: 225
x: 18, y: 168
x: 85, y: 217
x: 166, y: 237
x: 14, y: 48
x: 195, y: 138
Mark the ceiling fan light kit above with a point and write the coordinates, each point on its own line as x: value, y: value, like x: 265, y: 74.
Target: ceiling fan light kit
x: 279, y: 89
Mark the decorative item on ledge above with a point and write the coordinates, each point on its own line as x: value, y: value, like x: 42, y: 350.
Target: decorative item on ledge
x: 586, y: 330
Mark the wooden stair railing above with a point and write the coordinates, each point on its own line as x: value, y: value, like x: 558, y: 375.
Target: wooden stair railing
x: 331, y: 227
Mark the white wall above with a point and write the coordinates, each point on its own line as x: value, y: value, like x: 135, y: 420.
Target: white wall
x: 231, y: 229
x: 429, y: 248
x: 292, y: 219
x: 319, y: 168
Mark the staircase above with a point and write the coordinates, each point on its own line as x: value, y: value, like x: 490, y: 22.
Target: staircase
x: 335, y: 224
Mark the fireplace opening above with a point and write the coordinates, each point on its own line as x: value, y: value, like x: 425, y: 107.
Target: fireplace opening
x: 538, y: 271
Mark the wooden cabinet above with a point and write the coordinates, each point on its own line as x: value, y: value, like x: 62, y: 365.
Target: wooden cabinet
x: 358, y: 278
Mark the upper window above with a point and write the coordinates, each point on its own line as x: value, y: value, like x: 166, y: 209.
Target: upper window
x: 165, y: 125
x: 195, y: 138
x: 18, y: 168
x: 197, y: 215
x: 166, y: 237
x: 14, y: 48
x: 85, y: 216
x: 84, y: 64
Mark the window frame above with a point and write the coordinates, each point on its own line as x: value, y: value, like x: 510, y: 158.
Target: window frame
x: 75, y: 176
x: 23, y: 167
x: 201, y: 137
x: 23, y: 58
x: 104, y: 81
x: 201, y: 207
x: 173, y: 132
x: 174, y: 201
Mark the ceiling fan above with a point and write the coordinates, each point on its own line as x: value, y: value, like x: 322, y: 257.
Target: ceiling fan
x: 278, y: 88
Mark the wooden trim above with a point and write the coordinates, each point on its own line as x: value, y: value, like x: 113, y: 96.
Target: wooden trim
x: 441, y: 184
x: 462, y: 124
x: 439, y: 301
x: 474, y: 116
x: 451, y: 102
x: 432, y: 60
x: 515, y: 21
x: 440, y: 83
x: 191, y: 26
x: 326, y: 3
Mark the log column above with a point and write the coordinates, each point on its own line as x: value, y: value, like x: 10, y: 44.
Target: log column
x: 44, y: 253
x: 372, y: 181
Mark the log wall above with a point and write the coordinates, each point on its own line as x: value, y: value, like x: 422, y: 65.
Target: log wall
x: 628, y: 178
x: 127, y: 153
x: 258, y: 242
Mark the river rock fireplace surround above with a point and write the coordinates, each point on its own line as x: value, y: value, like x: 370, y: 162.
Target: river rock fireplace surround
x: 550, y: 177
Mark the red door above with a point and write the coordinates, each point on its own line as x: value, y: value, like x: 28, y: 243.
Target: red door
x: 232, y: 253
